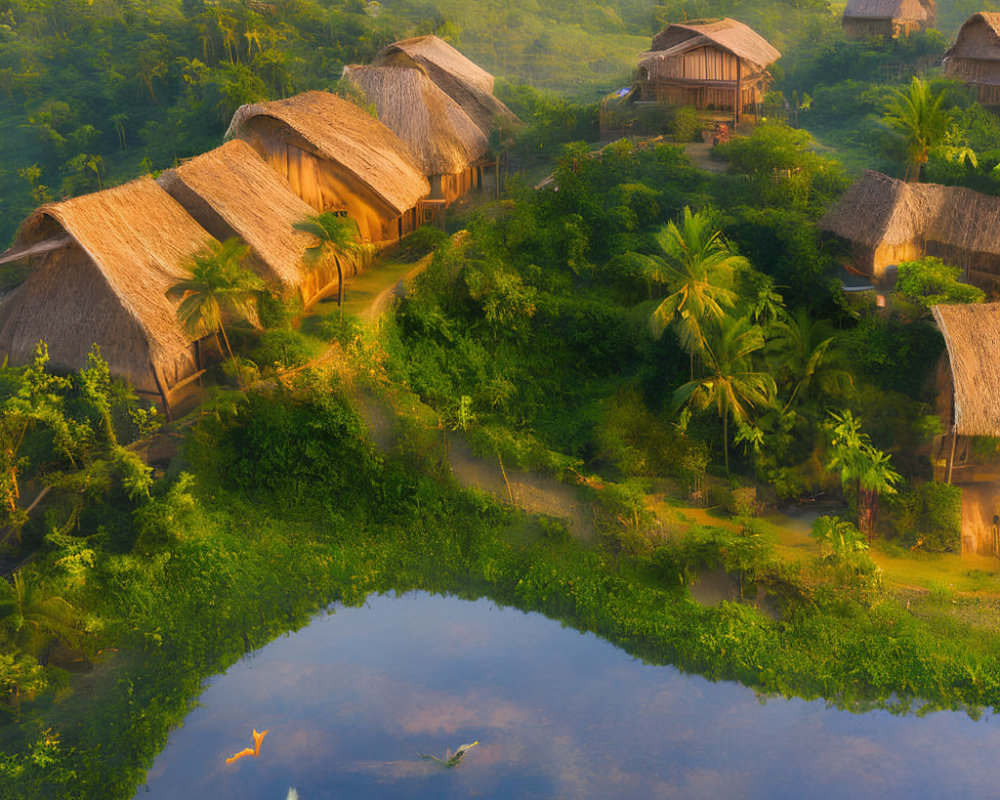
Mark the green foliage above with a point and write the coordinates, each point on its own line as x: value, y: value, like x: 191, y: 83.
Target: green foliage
x: 892, y: 354
x: 929, y: 282
x: 929, y: 517
x: 844, y: 549
x: 283, y: 348
x: 784, y: 169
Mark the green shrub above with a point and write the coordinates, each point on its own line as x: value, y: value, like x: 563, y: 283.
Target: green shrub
x: 929, y: 517
x: 929, y: 282
x: 281, y: 347
x: 276, y: 311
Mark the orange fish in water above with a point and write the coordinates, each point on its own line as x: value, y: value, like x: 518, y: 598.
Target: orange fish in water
x: 242, y: 754
x: 249, y: 751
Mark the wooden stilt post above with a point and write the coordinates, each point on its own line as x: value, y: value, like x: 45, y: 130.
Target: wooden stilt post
x: 737, y: 106
x: 951, y: 457
x: 161, y: 388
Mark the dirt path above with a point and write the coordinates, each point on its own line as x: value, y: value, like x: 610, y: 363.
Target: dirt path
x: 536, y: 494
x: 371, y: 295
x: 701, y: 154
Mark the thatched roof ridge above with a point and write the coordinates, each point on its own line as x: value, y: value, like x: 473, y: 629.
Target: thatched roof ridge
x: 878, y: 210
x: 466, y: 83
x: 232, y: 190
x: 728, y: 34
x: 138, y: 239
x: 441, y: 135
x: 972, y: 335
x: 978, y: 38
x: 347, y: 135
x: 890, y: 9
x: 432, y: 50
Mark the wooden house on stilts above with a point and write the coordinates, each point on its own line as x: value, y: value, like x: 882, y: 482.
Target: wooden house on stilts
x: 716, y: 64
x: 969, y: 402
x: 975, y: 56
x: 338, y: 158
x: 103, y: 263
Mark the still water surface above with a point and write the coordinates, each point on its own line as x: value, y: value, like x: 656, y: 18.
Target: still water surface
x: 352, y: 700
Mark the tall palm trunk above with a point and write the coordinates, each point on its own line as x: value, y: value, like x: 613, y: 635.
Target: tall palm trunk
x: 232, y: 357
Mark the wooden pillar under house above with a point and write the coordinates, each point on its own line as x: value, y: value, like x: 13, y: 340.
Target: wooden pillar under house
x: 161, y: 387
x: 738, y: 105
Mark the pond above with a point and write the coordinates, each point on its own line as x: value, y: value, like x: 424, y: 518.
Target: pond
x: 352, y: 701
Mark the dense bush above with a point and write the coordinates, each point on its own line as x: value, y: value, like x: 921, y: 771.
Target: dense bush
x: 929, y: 517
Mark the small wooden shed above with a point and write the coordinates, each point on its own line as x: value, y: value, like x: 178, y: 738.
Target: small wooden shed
x: 885, y: 221
x: 462, y: 80
x: 975, y: 56
x: 716, y: 64
x: 887, y: 19
x: 447, y: 144
x: 231, y: 191
x: 102, y: 265
x: 337, y: 157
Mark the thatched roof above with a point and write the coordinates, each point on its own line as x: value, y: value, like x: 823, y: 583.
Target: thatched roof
x: 972, y: 335
x: 878, y: 210
x: 347, y: 135
x: 978, y: 38
x: 441, y: 135
x: 232, y: 191
x: 890, y: 9
x: 726, y: 34
x: 130, y: 245
x: 466, y: 83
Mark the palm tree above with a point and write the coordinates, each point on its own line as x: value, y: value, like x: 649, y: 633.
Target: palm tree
x: 731, y: 383
x: 917, y: 115
x: 697, y: 263
x: 805, y: 350
x: 337, y: 236
x: 219, y: 286
x: 863, y: 464
x: 32, y: 618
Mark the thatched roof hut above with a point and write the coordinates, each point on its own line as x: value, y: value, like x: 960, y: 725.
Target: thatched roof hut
x: 336, y: 156
x: 975, y: 56
x: 972, y: 336
x: 466, y: 83
x: 887, y: 18
x: 444, y: 140
x: 231, y: 191
x: 441, y: 135
x: 718, y: 63
x: 886, y: 221
x: 107, y: 285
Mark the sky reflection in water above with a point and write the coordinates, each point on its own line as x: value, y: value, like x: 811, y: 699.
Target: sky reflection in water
x: 353, y: 699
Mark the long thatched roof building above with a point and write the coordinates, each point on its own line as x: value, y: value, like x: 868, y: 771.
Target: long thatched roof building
x: 975, y: 56
x: 465, y: 82
x: 231, y: 191
x: 121, y: 250
x: 887, y: 18
x: 719, y: 64
x: 447, y: 144
x: 335, y: 156
x: 972, y: 336
x: 885, y: 221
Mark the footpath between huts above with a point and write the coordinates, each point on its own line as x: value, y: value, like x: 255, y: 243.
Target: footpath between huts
x: 368, y: 296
